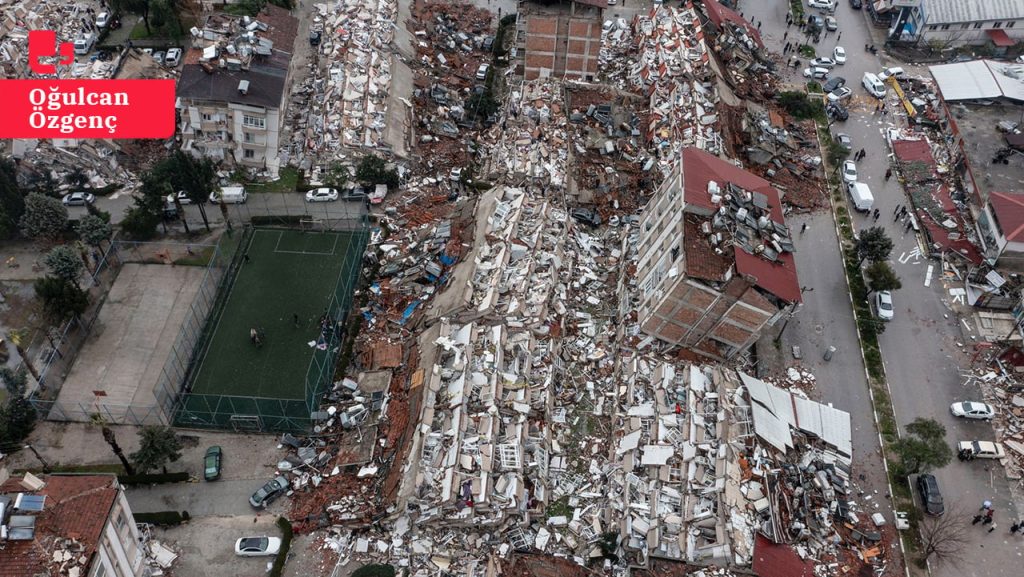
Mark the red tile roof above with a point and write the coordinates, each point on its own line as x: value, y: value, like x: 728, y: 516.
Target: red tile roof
x: 77, y: 507
x: 911, y: 150
x: 778, y: 278
x: 1009, y: 209
x: 700, y: 168
x: 771, y: 560
x: 718, y: 14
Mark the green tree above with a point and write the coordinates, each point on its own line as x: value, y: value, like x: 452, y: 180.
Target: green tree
x: 140, y: 8
x: 923, y: 448
x: 158, y: 445
x: 12, y: 200
x: 874, y: 245
x: 481, y: 105
x: 61, y: 299
x: 139, y: 223
x: 45, y: 217
x: 373, y: 170
x: 64, y: 262
x: 17, y: 415
x: 197, y: 177
x: 799, y: 105
x: 337, y: 176
x: 111, y: 439
x: 93, y: 230
x: 881, y: 277
x: 76, y: 178
x: 374, y: 570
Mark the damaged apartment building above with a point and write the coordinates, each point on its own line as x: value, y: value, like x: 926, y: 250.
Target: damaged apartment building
x: 561, y: 40
x: 716, y: 263
x: 234, y: 85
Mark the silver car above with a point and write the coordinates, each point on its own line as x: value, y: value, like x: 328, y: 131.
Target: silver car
x: 972, y: 410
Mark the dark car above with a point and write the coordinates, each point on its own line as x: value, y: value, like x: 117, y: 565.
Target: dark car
x: 267, y: 493
x: 356, y: 193
x: 488, y: 44
x: 314, y: 38
x: 837, y: 112
x: 833, y: 83
x: 931, y: 498
x: 211, y: 463
x: 586, y: 216
x: 856, y: 4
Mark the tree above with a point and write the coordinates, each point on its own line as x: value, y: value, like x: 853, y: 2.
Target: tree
x: 111, y: 439
x: 93, y: 230
x: 923, y: 448
x: 61, y: 298
x: 12, y: 200
x: 17, y: 416
x: 373, y: 170
x: 874, y: 245
x: 17, y: 338
x: 64, y: 262
x: 139, y: 223
x: 76, y: 178
x: 881, y: 277
x: 482, y: 104
x: 799, y: 105
x: 944, y: 538
x: 158, y: 445
x: 45, y: 217
x: 138, y: 7
x: 337, y: 175
x: 196, y: 177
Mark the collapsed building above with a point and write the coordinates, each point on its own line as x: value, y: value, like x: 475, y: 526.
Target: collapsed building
x: 561, y: 40
x: 716, y: 263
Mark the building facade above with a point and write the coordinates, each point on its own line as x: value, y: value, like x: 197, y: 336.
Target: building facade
x: 715, y: 264
x: 58, y: 523
x: 951, y: 23
x: 562, y: 41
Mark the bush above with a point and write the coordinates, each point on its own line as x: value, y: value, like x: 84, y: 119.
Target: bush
x: 154, y: 479
x: 162, y: 518
x: 270, y: 220
x: 286, y: 543
x: 799, y: 105
x: 374, y: 571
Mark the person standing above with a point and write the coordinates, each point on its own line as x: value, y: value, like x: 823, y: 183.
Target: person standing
x: 988, y: 516
x: 888, y: 174
x: 295, y: 319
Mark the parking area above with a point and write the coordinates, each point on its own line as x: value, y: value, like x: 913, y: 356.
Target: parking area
x: 206, y: 546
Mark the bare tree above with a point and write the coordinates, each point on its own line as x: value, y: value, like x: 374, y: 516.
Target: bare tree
x: 944, y: 538
x: 111, y: 439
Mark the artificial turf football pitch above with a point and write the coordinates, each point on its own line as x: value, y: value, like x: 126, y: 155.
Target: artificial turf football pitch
x: 287, y: 273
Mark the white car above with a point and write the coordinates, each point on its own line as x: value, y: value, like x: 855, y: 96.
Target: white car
x: 849, y: 171
x: 173, y: 57
x: 841, y: 93
x: 838, y: 54
x: 823, y: 63
x: 891, y: 71
x: 883, y: 300
x: 822, y: 4
x: 322, y: 195
x: 481, y: 73
x: 78, y: 199
x: 182, y: 198
x: 873, y: 85
x: 830, y: 24
x: 972, y: 410
x: 816, y: 73
x: 102, y: 20
x: 257, y: 546
x: 970, y: 450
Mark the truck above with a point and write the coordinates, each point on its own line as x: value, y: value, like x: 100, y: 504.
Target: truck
x: 861, y: 196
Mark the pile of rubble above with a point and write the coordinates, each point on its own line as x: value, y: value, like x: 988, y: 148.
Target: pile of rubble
x: 1004, y: 390
x: 534, y: 144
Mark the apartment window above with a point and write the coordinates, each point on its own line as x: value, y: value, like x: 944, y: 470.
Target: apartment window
x: 248, y: 136
x: 101, y: 571
x: 250, y: 153
x: 933, y: 27
x: 207, y: 117
x: 254, y: 121
x: 965, y: 26
x: 1010, y: 24
x: 649, y: 285
x: 945, y: 26
x: 997, y: 24
x: 675, y: 253
x: 977, y: 25
x: 120, y: 522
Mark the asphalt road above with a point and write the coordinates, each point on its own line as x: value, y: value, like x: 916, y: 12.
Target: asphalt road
x: 920, y: 346
x: 223, y: 498
x: 290, y: 203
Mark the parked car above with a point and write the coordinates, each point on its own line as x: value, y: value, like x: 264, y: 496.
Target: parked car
x: 822, y: 4
x: 849, y: 171
x: 173, y: 57
x: 481, y: 73
x: 267, y: 493
x: 873, y: 85
x: 159, y: 56
x: 823, y: 63
x: 931, y: 497
x: 488, y: 44
x: 102, y: 20
x: 314, y: 37
x: 883, y: 303
x: 257, y: 546
x: 816, y: 73
x: 586, y: 216
x: 970, y: 450
x: 839, y: 55
x: 456, y: 174
x: 354, y: 193
x: 211, y: 463
x: 841, y: 93
x: 856, y: 4
x: 972, y: 410
x: 182, y: 198
x: 322, y: 195
x: 836, y: 111
x: 833, y: 83
x: 815, y: 21
x: 891, y: 71
x: 78, y: 199
x: 830, y: 24
x: 845, y: 141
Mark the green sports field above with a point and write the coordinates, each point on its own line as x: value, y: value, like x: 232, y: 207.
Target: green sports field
x: 287, y: 273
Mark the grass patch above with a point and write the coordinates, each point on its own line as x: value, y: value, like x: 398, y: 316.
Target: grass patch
x: 201, y: 258
x: 797, y: 8
x: 288, y: 181
x: 139, y: 32
x: 814, y: 87
x: 807, y: 51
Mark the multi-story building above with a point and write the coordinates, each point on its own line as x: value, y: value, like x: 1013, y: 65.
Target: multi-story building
x: 951, y: 23
x: 234, y: 86
x: 67, y: 525
x: 716, y: 260
x: 561, y: 40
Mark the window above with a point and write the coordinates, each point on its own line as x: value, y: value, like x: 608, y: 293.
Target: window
x: 977, y: 25
x: 100, y: 570
x: 1010, y: 24
x: 120, y: 522
x: 997, y: 24
x: 945, y: 26
x: 933, y: 27
x: 675, y: 253
x: 207, y: 117
x: 248, y: 136
x: 965, y: 26
x: 250, y: 153
x: 254, y: 121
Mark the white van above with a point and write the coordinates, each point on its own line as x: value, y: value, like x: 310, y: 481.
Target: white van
x: 873, y: 85
x: 861, y: 196
x: 229, y: 195
x: 894, y: 71
x: 84, y: 44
